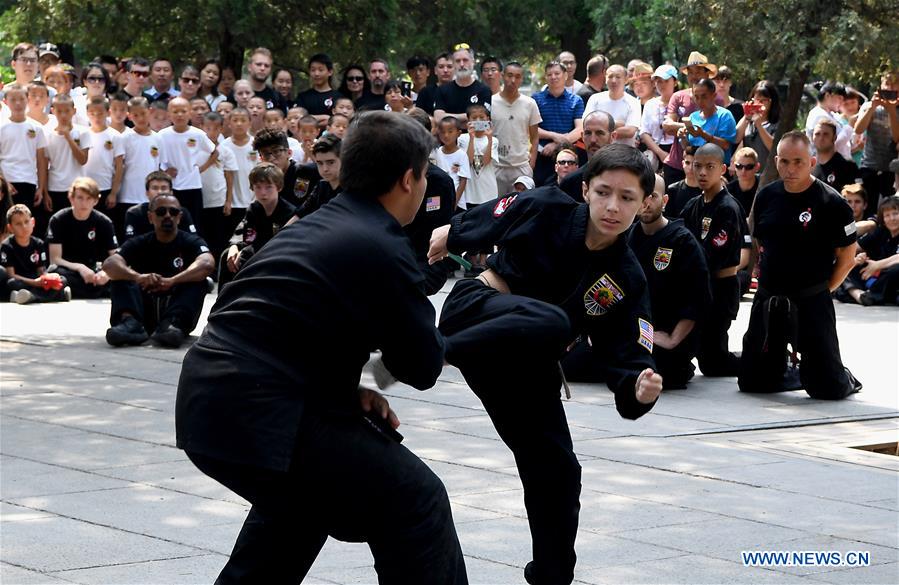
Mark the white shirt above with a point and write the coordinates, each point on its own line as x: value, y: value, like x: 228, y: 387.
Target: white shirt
x: 245, y: 158
x: 624, y: 110
x: 455, y: 164
x: 186, y: 151
x: 19, y: 143
x: 296, y: 150
x: 105, y: 147
x: 844, y: 132
x: 63, y: 167
x: 511, y: 128
x: 143, y: 155
x: 215, y: 188
x: 481, y: 187
x: 653, y: 115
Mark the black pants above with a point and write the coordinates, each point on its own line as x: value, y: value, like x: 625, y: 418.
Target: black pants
x: 192, y: 200
x: 713, y: 354
x: 40, y: 295
x: 81, y: 289
x: 181, y: 306
x: 763, y: 362
x: 507, y: 348
x: 218, y: 229
x: 349, y: 482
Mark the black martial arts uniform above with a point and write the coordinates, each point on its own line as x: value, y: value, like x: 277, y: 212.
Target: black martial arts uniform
x: 508, y: 345
x: 269, y: 407
x: 436, y: 210
x: 182, y: 304
x: 678, y: 280
x: 28, y: 261
x: 797, y: 235
x: 254, y: 231
x: 137, y: 223
x: 85, y: 242
x: 299, y: 181
x: 679, y: 193
x: 884, y: 287
x: 720, y: 228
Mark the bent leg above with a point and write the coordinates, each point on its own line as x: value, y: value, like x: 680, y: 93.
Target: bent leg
x: 821, y: 368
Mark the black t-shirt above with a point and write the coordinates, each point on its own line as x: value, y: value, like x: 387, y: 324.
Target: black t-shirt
x: 146, y: 254
x: 452, y: 98
x: 257, y: 228
x: 678, y: 194
x: 317, y: 103
x: 370, y: 101
x: 878, y: 244
x: 676, y: 271
x: 137, y: 223
x: 86, y: 241
x: 25, y: 260
x: 586, y: 91
x: 837, y: 172
x: 719, y: 226
x: 272, y: 98
x: 744, y: 197
x: 321, y: 194
x: 426, y: 99
x: 797, y: 234
x: 736, y: 108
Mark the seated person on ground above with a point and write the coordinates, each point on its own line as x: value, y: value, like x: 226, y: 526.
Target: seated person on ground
x: 137, y: 221
x: 24, y: 259
x: 80, y: 238
x: 875, y: 278
x: 158, y: 280
x: 857, y: 198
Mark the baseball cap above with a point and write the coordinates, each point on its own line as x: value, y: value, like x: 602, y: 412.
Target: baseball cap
x: 526, y: 181
x: 665, y: 72
x: 47, y: 49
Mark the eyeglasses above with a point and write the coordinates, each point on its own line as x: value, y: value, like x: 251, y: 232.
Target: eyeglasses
x: 269, y: 154
x: 31, y: 60
x: 95, y: 79
x: 172, y: 211
x: 740, y: 167
x: 140, y: 73
x: 355, y: 78
x: 566, y: 163
x: 190, y: 80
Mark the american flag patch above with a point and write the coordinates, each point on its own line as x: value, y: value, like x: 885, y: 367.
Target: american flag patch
x: 646, y: 334
x: 433, y: 203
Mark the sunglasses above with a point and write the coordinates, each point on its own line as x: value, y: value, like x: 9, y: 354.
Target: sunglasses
x: 140, y: 73
x: 355, y: 78
x: 190, y: 80
x: 566, y: 163
x: 740, y: 167
x: 162, y: 211
x: 95, y: 79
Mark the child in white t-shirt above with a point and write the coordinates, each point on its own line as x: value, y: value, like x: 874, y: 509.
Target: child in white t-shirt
x: 23, y: 150
x: 143, y: 155
x: 240, y: 143
x: 218, y: 188
x: 482, y: 151
x: 67, y: 152
x: 451, y: 158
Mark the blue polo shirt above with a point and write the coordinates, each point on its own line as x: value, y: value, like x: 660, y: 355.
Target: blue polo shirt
x: 558, y: 113
x: 720, y: 125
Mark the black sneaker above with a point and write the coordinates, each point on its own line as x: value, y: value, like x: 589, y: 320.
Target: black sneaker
x: 168, y: 335
x: 128, y: 332
x: 529, y: 573
x: 853, y: 381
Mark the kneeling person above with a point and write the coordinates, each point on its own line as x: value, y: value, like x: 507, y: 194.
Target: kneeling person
x: 158, y: 280
x: 678, y: 280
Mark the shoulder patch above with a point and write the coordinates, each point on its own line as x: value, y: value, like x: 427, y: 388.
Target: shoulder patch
x: 604, y: 293
x: 850, y: 228
x: 503, y: 204
x: 433, y: 203
x: 646, y: 334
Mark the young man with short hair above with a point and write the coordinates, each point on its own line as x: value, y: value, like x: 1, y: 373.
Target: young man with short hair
x: 444, y: 70
x: 137, y: 221
x: 162, y: 76
x: 260, y: 67
x: 562, y: 113
x: 491, y: 70
x: 623, y: 107
x: 138, y: 70
x: 319, y: 98
x: 743, y: 187
x: 831, y: 166
x: 516, y: 119
x: 680, y: 192
x: 581, y: 282
x: 326, y: 154
x: 158, y: 281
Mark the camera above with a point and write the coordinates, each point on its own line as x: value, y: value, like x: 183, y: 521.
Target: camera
x: 406, y: 88
x: 887, y: 94
x: 480, y: 125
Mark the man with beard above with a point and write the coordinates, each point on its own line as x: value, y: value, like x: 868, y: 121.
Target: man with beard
x: 260, y: 68
x: 378, y: 76
x: 599, y: 131
x: 158, y: 280
x: 678, y: 281
x: 454, y: 98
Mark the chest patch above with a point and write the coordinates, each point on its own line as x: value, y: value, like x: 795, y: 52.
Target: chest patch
x: 178, y: 262
x: 706, y: 225
x: 92, y: 235
x: 805, y: 217
x: 662, y: 258
x: 602, y: 296
x: 191, y: 142
x: 35, y: 257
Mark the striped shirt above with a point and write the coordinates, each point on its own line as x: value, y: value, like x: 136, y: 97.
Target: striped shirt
x: 558, y: 113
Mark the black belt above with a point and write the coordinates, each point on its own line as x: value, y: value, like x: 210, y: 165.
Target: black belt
x: 787, y: 300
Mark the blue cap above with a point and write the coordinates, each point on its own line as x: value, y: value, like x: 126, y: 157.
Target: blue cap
x: 665, y: 72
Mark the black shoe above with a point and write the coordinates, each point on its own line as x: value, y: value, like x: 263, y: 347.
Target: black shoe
x: 853, y: 381
x: 791, y: 380
x: 168, y: 335
x: 128, y: 332
x: 529, y: 573
x: 865, y: 299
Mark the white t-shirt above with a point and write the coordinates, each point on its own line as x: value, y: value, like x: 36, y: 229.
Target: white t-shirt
x: 511, y: 128
x: 245, y: 158
x: 215, y: 189
x: 186, y: 151
x: 455, y: 164
x: 63, y: 167
x: 844, y: 132
x: 105, y: 147
x: 296, y: 150
x: 19, y: 142
x: 653, y: 115
x: 143, y: 155
x: 481, y: 187
x: 625, y: 110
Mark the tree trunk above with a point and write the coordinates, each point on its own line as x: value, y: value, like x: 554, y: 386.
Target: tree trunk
x: 231, y: 53
x: 788, y: 115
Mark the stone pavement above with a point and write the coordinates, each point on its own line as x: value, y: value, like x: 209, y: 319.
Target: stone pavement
x: 94, y: 491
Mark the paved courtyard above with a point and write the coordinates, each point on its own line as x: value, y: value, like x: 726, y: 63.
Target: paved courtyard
x: 94, y: 490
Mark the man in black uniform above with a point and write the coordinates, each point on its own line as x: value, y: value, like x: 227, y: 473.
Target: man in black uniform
x: 682, y: 191
x: 268, y: 408
x: 563, y: 269
x: 678, y: 280
x: 158, y: 280
x: 807, y: 236
x: 137, y: 219
x: 831, y: 167
x: 716, y: 220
